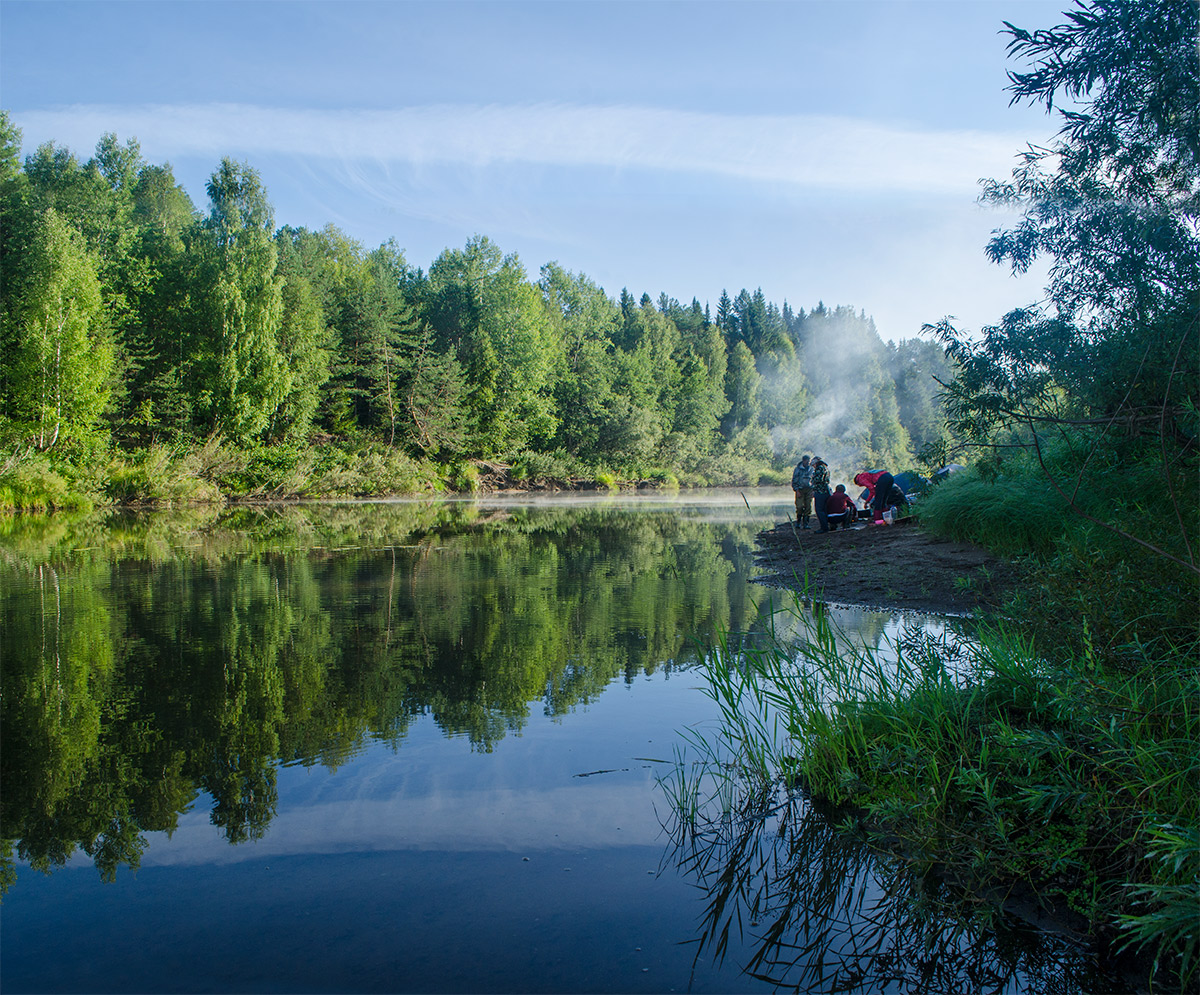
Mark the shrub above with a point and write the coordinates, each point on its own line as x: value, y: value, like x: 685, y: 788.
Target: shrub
x: 158, y: 476
x: 29, y: 483
x: 464, y: 477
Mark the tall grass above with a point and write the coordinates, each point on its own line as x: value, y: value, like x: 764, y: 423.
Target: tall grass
x: 1063, y: 784
x: 1012, y: 517
x: 1116, y: 573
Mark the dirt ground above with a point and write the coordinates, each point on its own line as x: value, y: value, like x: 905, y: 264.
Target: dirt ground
x: 893, y: 566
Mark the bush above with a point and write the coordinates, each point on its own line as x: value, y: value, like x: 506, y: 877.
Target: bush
x: 534, y: 466
x: 1012, y: 517
x: 28, y: 483
x: 159, y: 476
x: 1113, y: 571
x: 331, y: 471
x: 464, y: 477
x: 664, y: 479
x: 775, y: 478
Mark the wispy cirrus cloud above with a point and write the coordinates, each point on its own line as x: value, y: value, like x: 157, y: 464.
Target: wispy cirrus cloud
x: 805, y: 151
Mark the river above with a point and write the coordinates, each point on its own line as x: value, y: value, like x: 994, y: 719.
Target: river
x: 420, y: 746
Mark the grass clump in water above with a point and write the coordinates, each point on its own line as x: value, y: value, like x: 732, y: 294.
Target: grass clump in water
x: 1069, y: 786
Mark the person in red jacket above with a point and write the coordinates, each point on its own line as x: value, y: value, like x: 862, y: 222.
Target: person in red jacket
x: 868, y: 479
x: 879, y: 490
x: 839, y: 509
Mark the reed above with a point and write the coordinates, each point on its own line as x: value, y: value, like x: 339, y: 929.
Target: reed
x: 1068, y: 783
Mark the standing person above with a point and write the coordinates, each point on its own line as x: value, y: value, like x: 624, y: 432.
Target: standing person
x: 839, y: 509
x: 867, y: 480
x: 802, y: 485
x: 820, y: 485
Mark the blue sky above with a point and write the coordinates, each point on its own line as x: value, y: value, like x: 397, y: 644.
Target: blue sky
x: 819, y: 150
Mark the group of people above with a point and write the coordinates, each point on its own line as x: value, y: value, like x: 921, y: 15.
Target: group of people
x: 810, y: 481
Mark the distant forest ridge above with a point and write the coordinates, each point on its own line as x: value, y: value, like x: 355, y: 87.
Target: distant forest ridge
x: 129, y: 317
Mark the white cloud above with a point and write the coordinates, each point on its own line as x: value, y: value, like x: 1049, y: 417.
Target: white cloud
x: 805, y: 151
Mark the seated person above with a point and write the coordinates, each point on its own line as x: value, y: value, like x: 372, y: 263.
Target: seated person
x: 839, y: 509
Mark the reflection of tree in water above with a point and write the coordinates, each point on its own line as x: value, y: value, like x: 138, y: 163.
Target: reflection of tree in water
x: 818, y: 911
x: 163, y: 656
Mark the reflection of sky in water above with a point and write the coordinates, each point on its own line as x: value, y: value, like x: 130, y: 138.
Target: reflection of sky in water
x: 542, y: 865
x: 427, y: 868
x: 582, y: 780
x: 435, y: 793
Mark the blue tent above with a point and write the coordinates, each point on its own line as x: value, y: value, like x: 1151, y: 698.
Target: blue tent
x: 911, y: 483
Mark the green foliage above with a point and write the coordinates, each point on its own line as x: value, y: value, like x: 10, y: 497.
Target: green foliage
x: 200, y: 324
x: 242, y: 375
x: 374, y: 471
x: 1112, y: 204
x: 1114, y: 562
x: 483, y: 305
x: 61, y: 356
x: 1074, y: 780
x: 465, y: 477
x: 556, y: 467
x: 1012, y: 516
x: 29, y: 483
x: 157, y: 476
x: 303, y: 336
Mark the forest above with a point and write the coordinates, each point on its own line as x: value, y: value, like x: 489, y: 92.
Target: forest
x: 164, y: 354
x: 157, y: 354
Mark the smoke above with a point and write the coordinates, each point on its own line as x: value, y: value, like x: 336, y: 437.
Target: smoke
x: 841, y: 360
x: 842, y: 446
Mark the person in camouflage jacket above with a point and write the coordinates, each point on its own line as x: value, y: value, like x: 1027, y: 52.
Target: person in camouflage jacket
x: 802, y: 485
x: 820, y: 485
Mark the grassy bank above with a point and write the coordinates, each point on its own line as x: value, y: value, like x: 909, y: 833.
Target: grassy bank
x: 214, y: 471
x: 1057, y: 761
x: 1060, y: 785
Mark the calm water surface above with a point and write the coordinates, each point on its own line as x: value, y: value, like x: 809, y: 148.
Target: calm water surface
x: 416, y: 746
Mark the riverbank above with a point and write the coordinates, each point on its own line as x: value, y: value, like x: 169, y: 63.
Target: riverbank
x: 1062, y: 774
x: 214, y: 472
x: 899, y: 566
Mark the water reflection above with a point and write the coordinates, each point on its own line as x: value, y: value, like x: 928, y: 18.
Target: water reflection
x: 809, y: 908
x: 382, y: 705
x: 152, y: 660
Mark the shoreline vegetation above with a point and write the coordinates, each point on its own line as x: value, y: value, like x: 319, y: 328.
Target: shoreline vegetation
x: 215, y: 472
x: 1050, y: 767
x: 158, y: 356
x: 1058, y: 760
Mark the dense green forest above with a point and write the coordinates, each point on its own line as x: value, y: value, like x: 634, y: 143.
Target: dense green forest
x: 140, y: 328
